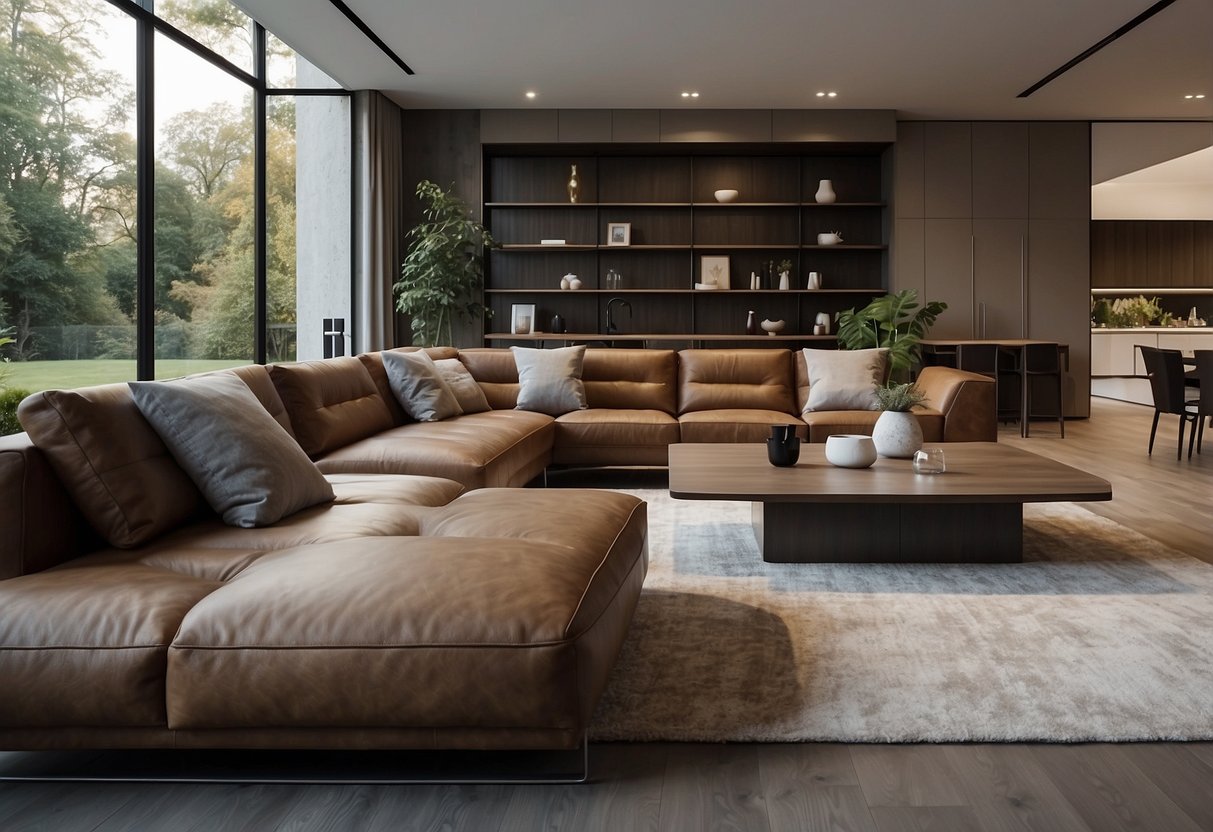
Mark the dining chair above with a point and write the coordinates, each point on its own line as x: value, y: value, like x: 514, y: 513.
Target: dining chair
x: 1202, y: 406
x: 1041, y: 361
x: 992, y: 361
x: 1165, y: 369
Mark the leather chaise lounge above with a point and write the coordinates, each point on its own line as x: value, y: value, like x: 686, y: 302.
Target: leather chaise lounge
x: 432, y: 604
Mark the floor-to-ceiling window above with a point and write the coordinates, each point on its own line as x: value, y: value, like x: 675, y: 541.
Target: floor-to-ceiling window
x: 181, y: 115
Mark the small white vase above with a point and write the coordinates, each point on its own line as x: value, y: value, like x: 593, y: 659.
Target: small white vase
x: 785, y: 281
x: 564, y: 282
x: 897, y: 435
x: 814, y: 280
x: 849, y: 450
x: 825, y: 192
x: 574, y: 282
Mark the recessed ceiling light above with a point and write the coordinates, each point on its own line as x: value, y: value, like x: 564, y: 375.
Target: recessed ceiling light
x: 530, y: 94
x: 1202, y: 95
x: 832, y: 94
x: 690, y: 95
x: 1190, y: 96
x: 824, y: 94
x: 821, y: 95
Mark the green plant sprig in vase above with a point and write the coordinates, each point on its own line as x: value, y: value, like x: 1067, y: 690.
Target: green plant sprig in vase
x: 442, y: 277
x: 899, y: 398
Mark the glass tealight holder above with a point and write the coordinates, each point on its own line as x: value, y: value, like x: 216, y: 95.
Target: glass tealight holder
x: 929, y: 461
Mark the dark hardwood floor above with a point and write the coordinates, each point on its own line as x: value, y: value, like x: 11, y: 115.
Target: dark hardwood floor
x: 888, y: 788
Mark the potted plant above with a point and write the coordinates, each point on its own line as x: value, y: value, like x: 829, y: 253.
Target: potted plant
x: 443, y: 273
x: 897, y: 432
x: 894, y: 322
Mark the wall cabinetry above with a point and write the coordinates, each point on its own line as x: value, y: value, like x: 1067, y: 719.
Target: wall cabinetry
x: 675, y: 220
x: 993, y: 218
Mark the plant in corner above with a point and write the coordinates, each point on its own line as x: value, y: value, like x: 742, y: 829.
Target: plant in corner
x: 443, y: 273
x: 894, y: 322
x: 897, y: 432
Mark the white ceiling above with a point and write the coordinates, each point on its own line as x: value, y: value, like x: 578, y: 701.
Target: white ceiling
x: 933, y: 59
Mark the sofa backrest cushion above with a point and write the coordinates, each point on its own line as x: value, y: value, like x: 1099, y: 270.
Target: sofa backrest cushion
x: 625, y: 379
x: 113, y: 464
x: 373, y: 361
x: 331, y: 403
x: 497, y: 374
x: 747, y: 379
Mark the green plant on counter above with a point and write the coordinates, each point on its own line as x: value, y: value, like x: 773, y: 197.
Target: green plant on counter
x: 894, y: 322
x: 899, y: 398
x: 443, y: 272
x: 1131, y: 312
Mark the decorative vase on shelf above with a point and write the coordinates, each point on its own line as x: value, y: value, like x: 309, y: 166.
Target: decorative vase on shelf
x: 574, y: 185
x: 825, y: 192
x: 574, y: 282
x: 564, y: 282
x: 558, y: 323
x: 751, y: 323
x: 822, y: 320
x: 785, y: 281
x: 814, y: 280
x: 897, y: 435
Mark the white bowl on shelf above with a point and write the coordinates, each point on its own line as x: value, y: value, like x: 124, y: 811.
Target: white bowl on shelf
x: 773, y: 327
x: 726, y: 195
x: 850, y: 450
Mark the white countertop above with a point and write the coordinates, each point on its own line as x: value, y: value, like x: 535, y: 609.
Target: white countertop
x: 1195, y: 330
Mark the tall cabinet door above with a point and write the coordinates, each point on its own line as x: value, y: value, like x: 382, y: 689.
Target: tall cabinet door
x: 948, y: 257
x: 999, y: 275
x: 1059, y: 298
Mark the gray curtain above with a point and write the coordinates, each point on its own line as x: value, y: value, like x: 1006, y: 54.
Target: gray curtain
x: 378, y: 226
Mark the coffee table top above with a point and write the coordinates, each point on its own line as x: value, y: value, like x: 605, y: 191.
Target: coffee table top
x: 978, y: 472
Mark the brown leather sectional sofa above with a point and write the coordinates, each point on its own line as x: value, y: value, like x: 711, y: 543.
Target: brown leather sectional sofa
x: 426, y: 607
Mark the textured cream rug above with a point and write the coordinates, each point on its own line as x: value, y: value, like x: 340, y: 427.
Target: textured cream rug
x: 1101, y: 634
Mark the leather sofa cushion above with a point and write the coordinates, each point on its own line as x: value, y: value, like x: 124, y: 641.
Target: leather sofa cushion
x: 331, y: 403
x: 497, y: 373
x: 113, y: 464
x: 746, y: 379
x: 601, y: 436
x: 822, y: 423
x: 431, y: 631
x: 734, y: 425
x: 629, y: 379
x: 373, y: 362
x: 257, y: 377
x: 85, y: 644
x: 478, y: 450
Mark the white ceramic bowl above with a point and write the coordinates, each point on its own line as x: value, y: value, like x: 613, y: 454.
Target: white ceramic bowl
x: 726, y: 195
x: 773, y: 327
x: 850, y: 450
x: 831, y: 238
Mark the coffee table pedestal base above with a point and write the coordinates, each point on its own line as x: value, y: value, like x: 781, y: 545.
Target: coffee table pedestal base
x: 798, y: 532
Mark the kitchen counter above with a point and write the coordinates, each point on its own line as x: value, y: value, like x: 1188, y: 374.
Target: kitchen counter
x: 1179, y: 330
x: 1114, y: 349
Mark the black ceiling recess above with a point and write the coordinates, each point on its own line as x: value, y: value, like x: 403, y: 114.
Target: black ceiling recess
x: 1077, y: 59
x: 370, y: 33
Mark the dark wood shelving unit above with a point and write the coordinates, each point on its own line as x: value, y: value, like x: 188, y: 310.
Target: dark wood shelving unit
x: 675, y: 220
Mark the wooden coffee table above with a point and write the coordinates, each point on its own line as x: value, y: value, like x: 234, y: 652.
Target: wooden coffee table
x: 817, y: 513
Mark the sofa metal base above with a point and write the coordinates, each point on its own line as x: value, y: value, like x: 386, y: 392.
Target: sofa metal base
x: 371, y: 768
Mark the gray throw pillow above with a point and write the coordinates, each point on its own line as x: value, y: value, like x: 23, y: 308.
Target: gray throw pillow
x: 844, y: 379
x: 249, y: 469
x: 549, y: 381
x: 466, y: 389
x: 418, y: 387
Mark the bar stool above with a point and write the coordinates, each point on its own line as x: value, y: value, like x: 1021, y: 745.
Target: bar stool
x: 1041, y: 360
x: 990, y: 361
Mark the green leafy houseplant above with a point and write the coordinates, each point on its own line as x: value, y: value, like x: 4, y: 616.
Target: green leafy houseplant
x: 895, y: 322
x: 899, y: 398
x: 443, y: 272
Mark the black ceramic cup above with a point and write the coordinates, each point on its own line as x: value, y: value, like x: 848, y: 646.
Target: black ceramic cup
x: 783, y: 452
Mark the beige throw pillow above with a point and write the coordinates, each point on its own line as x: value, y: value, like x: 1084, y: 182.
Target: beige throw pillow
x: 418, y: 387
x: 844, y: 379
x: 249, y: 469
x: 549, y: 381
x: 466, y: 389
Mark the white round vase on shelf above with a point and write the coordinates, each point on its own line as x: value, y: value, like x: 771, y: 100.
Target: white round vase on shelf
x: 897, y: 435
x: 825, y: 192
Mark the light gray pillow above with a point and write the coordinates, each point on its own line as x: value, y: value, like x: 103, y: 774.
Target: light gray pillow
x: 418, y: 387
x: 249, y: 469
x: 844, y: 379
x: 549, y: 381
x: 466, y: 389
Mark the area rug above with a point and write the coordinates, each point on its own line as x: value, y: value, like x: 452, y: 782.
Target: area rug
x: 1101, y: 634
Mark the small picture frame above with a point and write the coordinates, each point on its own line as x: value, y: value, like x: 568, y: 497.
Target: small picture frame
x: 522, y: 319
x: 714, y: 271
x: 619, y: 233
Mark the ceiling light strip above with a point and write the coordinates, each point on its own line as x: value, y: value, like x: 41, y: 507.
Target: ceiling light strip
x: 1075, y: 61
x: 370, y: 33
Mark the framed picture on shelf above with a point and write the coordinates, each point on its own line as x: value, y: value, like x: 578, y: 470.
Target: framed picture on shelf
x: 522, y: 319
x: 619, y: 233
x: 713, y: 272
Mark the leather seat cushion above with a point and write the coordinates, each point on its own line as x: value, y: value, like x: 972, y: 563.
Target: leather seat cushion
x: 492, y: 449
x: 432, y: 631
x: 822, y: 423
x: 85, y: 644
x: 602, y: 436
x: 734, y: 425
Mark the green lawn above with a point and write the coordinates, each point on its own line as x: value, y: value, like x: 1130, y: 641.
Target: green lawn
x: 44, y: 375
